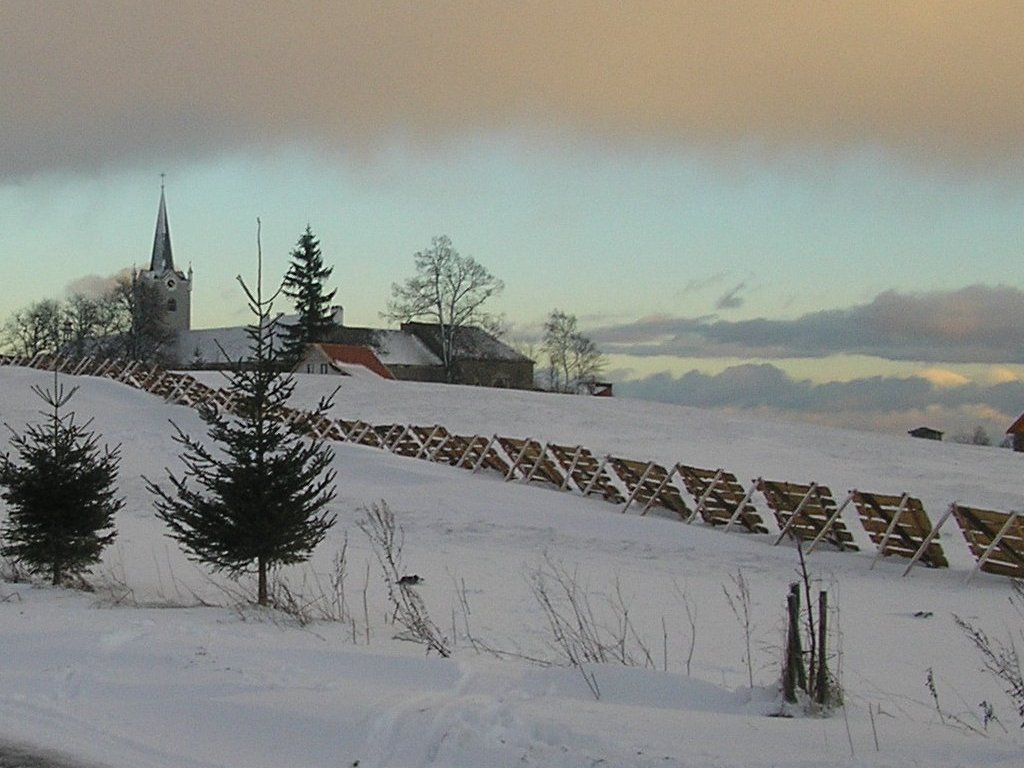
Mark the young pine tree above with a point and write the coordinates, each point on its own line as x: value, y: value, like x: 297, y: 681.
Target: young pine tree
x: 259, y: 499
x: 61, y: 494
x: 304, y: 284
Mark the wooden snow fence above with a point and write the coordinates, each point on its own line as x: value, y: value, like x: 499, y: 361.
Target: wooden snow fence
x: 445, y: 448
x: 720, y: 499
x: 361, y: 433
x: 473, y: 452
x: 584, y: 471
x: 389, y: 434
x: 996, y: 539
x: 322, y: 426
x: 898, y: 525
x: 406, y: 442
x: 429, y: 442
x: 649, y: 485
x: 807, y: 513
x: 531, y: 462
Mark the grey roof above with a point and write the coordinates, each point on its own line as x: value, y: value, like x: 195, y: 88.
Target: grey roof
x: 162, y: 260
x: 472, y: 343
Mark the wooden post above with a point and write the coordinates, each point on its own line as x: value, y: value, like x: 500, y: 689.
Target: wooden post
x: 795, y: 515
x: 743, y: 503
x: 793, y: 674
x: 821, y: 683
x: 572, y: 468
x: 904, y: 500
x: 705, y: 495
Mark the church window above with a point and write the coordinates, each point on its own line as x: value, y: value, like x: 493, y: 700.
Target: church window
x: 172, y: 305
x: 323, y: 367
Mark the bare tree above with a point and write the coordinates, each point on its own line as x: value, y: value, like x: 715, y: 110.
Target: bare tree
x: 449, y: 290
x: 85, y: 320
x: 979, y: 436
x: 1000, y: 658
x: 134, y: 318
x: 35, y: 329
x: 127, y: 321
x: 573, y: 359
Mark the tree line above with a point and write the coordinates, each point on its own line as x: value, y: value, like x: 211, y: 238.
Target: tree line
x: 124, y: 322
x: 448, y: 290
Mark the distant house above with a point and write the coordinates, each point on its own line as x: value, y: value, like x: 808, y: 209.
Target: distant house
x: 926, y: 433
x: 480, y: 358
x: 404, y: 355
x: 1016, y: 431
x: 407, y: 354
x: 412, y: 353
x: 340, y: 359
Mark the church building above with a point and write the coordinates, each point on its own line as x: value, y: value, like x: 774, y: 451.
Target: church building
x: 411, y: 353
x: 175, y: 287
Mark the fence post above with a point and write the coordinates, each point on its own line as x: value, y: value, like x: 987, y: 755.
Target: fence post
x: 821, y: 684
x: 793, y: 674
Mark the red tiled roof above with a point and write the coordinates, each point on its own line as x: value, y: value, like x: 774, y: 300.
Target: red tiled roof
x: 353, y: 355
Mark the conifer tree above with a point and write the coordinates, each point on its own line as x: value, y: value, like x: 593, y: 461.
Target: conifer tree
x: 259, y: 499
x: 304, y: 284
x: 61, y: 494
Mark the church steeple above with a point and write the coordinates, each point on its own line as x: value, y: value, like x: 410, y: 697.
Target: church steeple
x: 173, y: 286
x: 162, y: 259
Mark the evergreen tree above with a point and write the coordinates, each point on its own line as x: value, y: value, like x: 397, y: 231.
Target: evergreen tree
x: 62, y: 493
x: 304, y: 284
x: 259, y: 500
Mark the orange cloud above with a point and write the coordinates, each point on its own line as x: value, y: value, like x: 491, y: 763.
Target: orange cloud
x: 1000, y: 375
x: 941, y: 377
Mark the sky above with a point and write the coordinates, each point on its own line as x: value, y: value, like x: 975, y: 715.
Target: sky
x: 809, y: 210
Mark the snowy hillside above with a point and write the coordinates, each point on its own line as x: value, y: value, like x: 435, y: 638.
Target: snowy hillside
x: 160, y: 667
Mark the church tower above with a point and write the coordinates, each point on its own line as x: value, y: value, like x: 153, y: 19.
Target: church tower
x: 174, y: 285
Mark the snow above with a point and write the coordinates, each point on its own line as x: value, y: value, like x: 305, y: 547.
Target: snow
x: 401, y: 348
x: 162, y: 665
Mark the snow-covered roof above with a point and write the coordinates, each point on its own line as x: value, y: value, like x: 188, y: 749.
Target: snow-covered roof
x: 400, y: 348
x: 407, y: 346
x: 213, y: 345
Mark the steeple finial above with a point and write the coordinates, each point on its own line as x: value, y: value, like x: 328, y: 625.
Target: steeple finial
x: 162, y: 259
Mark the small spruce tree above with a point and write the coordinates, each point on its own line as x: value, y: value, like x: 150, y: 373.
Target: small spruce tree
x: 259, y: 499
x: 304, y: 284
x: 62, y: 493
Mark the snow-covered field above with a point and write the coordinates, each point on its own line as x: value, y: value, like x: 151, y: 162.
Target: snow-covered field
x: 160, y: 667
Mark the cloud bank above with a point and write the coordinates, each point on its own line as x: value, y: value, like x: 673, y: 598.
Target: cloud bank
x: 90, y: 84
x: 975, y: 324
x: 879, y: 403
